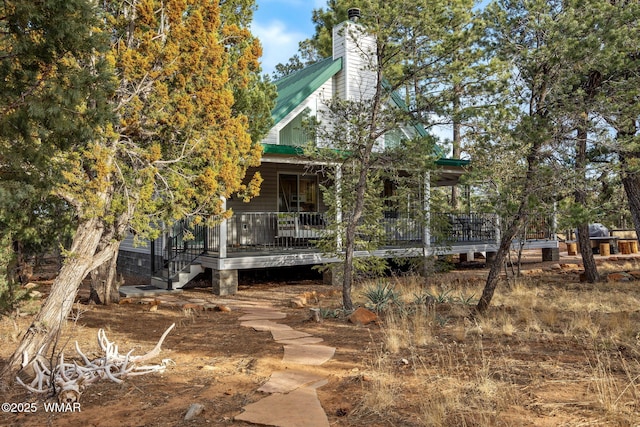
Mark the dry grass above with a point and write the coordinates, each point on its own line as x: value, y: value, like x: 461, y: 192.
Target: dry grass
x: 578, y: 343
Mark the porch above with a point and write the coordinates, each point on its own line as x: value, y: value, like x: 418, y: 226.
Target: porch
x: 272, y: 239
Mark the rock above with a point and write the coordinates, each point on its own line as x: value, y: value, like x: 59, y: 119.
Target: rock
x: 315, y: 315
x: 618, y: 277
x: 570, y: 266
x: 635, y: 274
x: 311, y: 296
x: 532, y: 272
x: 194, y: 410
x: 31, y: 285
x: 363, y: 316
x: 298, y: 302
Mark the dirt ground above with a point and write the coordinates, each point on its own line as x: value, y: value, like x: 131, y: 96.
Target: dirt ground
x: 527, y: 376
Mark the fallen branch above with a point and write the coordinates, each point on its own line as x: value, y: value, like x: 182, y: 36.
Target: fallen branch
x: 69, y: 379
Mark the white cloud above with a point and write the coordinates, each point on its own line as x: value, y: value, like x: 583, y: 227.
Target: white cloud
x: 279, y: 43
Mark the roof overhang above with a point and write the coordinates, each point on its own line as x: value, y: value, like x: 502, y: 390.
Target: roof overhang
x: 447, y: 173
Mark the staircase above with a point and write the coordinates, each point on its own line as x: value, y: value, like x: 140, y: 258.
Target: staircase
x: 178, y: 280
x: 185, y: 243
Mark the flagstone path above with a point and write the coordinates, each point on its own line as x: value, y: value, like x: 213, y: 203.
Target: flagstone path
x: 292, y: 400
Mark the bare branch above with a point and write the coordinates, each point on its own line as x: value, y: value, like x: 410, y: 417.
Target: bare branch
x: 70, y: 379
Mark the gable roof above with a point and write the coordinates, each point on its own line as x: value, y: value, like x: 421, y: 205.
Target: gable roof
x: 298, y: 86
x: 295, y: 88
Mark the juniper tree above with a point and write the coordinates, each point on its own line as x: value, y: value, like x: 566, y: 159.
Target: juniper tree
x: 179, y: 141
x: 54, y: 93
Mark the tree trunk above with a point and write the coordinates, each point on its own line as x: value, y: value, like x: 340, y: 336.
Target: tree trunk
x: 350, y: 237
x: 630, y: 177
x: 501, y: 256
x: 456, y: 143
x: 104, y: 283
x: 588, y: 262
x: 631, y: 182
x: 580, y: 196
x: 347, y: 279
x: 47, y: 324
x: 533, y: 160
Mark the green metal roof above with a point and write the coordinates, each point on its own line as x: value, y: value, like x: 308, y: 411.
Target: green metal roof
x: 295, y: 88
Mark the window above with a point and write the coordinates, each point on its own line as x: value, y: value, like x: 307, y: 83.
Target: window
x: 297, y: 193
x: 393, y: 138
x: 295, y: 132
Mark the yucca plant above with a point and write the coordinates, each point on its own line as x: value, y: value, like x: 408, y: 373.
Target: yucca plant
x: 381, y: 295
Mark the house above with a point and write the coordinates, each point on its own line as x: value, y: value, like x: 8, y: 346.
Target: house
x: 281, y: 226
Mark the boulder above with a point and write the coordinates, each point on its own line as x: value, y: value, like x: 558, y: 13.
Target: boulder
x: 363, y: 316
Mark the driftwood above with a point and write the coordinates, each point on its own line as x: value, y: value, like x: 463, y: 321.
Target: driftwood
x: 69, y: 379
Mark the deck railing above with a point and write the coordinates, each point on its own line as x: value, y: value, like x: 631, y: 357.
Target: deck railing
x: 273, y: 231
x: 447, y: 228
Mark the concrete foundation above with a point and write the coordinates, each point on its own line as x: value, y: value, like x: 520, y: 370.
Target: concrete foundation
x: 133, y: 263
x: 332, y: 276
x: 224, y: 282
x: 550, y: 254
x: 469, y: 256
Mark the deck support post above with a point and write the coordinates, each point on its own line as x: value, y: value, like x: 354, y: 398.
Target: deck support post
x: 332, y: 275
x: 224, y: 282
x: 467, y: 256
x: 222, y: 249
x: 550, y: 254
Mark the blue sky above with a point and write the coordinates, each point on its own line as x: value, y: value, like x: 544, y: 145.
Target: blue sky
x: 280, y: 25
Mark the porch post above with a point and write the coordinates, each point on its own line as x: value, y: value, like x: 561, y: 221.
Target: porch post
x: 426, y: 205
x: 554, y: 222
x: 222, y: 251
x: 338, y: 205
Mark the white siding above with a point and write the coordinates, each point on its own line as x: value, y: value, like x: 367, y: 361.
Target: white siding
x: 128, y: 245
x: 272, y: 136
x: 357, y: 80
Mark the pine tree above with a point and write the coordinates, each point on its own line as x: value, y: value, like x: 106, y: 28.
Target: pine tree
x: 409, y: 41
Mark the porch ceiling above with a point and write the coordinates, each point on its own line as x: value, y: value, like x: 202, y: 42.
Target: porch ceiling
x: 447, y: 177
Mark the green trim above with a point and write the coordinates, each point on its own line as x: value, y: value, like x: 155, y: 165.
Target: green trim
x: 282, y: 149
x: 452, y: 162
x: 296, y: 87
x: 299, y: 151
